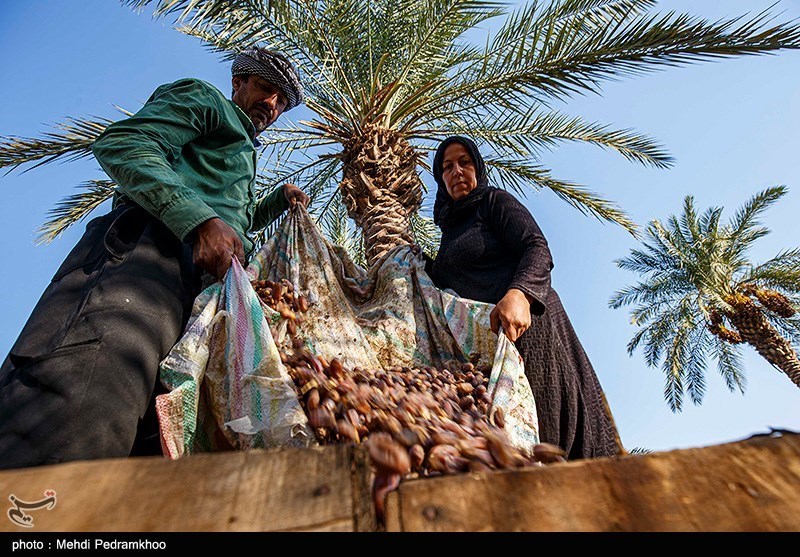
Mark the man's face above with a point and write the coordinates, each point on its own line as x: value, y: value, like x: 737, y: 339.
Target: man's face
x: 262, y: 101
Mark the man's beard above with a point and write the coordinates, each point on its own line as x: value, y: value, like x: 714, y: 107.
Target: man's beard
x: 261, y: 119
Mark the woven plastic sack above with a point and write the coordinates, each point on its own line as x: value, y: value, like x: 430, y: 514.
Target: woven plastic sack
x: 392, y: 315
x: 229, y: 388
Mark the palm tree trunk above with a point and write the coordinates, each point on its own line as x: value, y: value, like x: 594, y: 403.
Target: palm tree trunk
x: 757, y: 331
x: 381, y: 188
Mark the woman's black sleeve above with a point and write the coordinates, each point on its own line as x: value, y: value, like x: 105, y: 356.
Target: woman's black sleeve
x: 518, y: 231
x: 428, y: 263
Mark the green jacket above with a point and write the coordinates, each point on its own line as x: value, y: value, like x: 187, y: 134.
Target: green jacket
x: 188, y: 156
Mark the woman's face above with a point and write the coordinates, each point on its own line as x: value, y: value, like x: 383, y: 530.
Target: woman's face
x: 458, y: 171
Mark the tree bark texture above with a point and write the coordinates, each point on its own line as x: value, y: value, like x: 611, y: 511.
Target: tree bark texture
x: 756, y: 330
x: 381, y: 188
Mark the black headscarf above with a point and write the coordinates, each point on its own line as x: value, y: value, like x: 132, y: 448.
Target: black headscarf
x: 445, y: 210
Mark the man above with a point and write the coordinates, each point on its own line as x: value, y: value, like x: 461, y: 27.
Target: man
x: 82, y: 377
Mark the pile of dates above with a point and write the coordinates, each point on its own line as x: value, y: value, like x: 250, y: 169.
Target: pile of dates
x: 282, y: 297
x: 415, y: 422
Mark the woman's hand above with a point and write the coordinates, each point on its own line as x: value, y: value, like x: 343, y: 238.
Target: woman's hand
x: 513, y: 313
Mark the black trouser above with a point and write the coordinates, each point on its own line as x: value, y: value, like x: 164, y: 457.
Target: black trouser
x: 81, y: 378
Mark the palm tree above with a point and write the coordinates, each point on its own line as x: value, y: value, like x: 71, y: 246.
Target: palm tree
x: 701, y: 296
x: 388, y: 79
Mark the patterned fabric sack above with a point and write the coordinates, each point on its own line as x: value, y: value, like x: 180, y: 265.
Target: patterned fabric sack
x: 228, y: 388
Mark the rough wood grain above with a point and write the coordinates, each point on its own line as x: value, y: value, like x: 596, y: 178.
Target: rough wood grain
x: 750, y: 485
x: 364, y: 519
x: 273, y: 490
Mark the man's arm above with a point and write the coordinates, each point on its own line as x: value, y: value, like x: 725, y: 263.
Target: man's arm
x: 137, y: 153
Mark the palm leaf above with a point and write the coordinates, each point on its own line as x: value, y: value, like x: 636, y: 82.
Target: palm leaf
x: 425, y: 233
x: 531, y: 133
x: 520, y: 174
x: 729, y: 360
x: 745, y: 227
x: 72, y: 142
x: 75, y: 208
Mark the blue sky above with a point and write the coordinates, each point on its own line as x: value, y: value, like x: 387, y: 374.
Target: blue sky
x: 731, y: 126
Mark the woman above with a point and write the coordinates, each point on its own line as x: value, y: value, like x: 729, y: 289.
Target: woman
x: 493, y: 251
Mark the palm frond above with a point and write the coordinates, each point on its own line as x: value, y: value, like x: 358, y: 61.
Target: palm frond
x: 340, y: 229
x: 747, y: 216
x: 653, y: 260
x: 640, y: 335
x: 72, y: 142
x: 698, y: 344
x: 260, y: 237
x: 290, y: 171
x: 708, y: 224
x: 673, y: 382
x: 789, y: 328
x: 659, y: 335
x: 729, y: 360
x: 521, y: 174
x: 675, y: 235
x: 599, y: 12
x: 781, y: 273
x: 652, y: 295
x: 431, y: 50
x: 324, y: 185
x: 680, y: 365
x: 688, y: 226
x: 425, y: 233
x: 561, y: 60
x: 532, y: 132
x: 74, y: 208
x: 745, y: 225
x: 198, y: 9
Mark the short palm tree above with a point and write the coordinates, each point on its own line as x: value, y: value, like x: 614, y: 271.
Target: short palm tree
x: 388, y: 79
x: 701, y: 296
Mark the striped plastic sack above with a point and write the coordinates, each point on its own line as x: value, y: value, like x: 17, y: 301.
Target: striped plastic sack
x: 510, y: 390
x: 392, y: 315
x: 229, y: 388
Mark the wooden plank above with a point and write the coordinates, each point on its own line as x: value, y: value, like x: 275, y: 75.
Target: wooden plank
x: 272, y: 490
x: 750, y: 485
x: 364, y: 519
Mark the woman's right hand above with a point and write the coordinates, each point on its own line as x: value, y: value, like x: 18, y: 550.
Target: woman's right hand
x: 512, y: 313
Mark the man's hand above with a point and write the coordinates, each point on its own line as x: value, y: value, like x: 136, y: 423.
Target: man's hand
x: 216, y: 243
x: 295, y: 195
x: 513, y: 313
